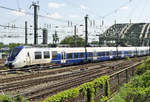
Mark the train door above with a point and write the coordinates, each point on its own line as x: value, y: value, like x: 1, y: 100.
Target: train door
x: 95, y: 56
x: 28, y: 59
x: 63, y: 57
x: 111, y: 54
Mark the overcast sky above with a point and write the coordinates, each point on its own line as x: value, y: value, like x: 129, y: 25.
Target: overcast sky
x: 58, y: 12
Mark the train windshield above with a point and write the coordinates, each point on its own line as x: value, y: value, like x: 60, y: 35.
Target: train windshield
x: 14, y: 52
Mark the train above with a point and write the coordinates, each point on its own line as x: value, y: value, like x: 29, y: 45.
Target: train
x: 23, y: 56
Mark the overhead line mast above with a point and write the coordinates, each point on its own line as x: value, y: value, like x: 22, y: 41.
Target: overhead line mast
x: 86, y: 36
x: 26, y: 29
x: 36, y: 7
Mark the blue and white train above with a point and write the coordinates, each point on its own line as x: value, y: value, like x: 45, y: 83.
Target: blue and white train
x: 22, y: 56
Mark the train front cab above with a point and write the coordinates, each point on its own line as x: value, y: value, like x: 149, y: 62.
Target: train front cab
x: 11, y: 60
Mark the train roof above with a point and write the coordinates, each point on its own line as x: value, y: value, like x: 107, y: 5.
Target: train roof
x: 26, y: 46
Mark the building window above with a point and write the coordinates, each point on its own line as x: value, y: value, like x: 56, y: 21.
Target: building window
x: 38, y: 55
x: 54, y: 54
x: 46, y: 54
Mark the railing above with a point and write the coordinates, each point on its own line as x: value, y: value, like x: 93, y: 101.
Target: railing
x: 121, y: 77
x: 116, y: 79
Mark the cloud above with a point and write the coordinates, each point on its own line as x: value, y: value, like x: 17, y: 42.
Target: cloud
x: 83, y: 7
x: 55, y: 16
x: 18, y: 13
x: 55, y: 5
x: 73, y: 16
x: 124, y: 8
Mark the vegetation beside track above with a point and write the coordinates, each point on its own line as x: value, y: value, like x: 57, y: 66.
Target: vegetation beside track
x: 138, y: 89
x: 8, y: 98
x: 88, y: 89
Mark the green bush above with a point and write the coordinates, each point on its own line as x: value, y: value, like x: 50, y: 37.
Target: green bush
x: 62, y: 96
x: 137, y: 90
x: 127, y: 58
x: 103, y: 99
x: 20, y: 98
x: 88, y: 89
x: 7, y: 98
x: 143, y: 67
x: 117, y: 98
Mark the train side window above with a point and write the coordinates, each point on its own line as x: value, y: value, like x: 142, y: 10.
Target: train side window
x: 54, y: 54
x: 111, y: 53
x: 46, y: 54
x: 95, y: 54
x: 141, y: 52
x: 90, y: 54
x: 127, y: 52
x: 114, y: 53
x: 134, y: 52
x: 69, y: 56
x: 75, y: 55
x: 81, y: 55
x: 99, y: 53
x: 107, y: 53
x: 38, y: 55
x: 28, y: 54
x: 120, y: 53
x: 103, y: 53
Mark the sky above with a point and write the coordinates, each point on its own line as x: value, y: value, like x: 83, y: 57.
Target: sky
x: 57, y: 13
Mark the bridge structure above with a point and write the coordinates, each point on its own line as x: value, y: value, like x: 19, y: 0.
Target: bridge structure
x: 128, y: 34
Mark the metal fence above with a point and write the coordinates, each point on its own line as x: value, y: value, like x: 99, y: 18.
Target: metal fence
x: 117, y: 79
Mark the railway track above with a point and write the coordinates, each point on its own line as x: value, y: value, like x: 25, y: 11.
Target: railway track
x: 2, y: 61
x: 51, y: 71
x: 28, y: 83
x: 68, y: 83
x: 57, y: 78
x: 32, y: 68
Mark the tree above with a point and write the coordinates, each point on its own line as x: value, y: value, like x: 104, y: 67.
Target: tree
x: 55, y: 38
x: 1, y: 44
x: 12, y: 45
x: 70, y: 40
x: 95, y: 42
